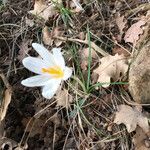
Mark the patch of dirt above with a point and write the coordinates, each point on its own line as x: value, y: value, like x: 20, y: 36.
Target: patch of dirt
x: 35, y: 123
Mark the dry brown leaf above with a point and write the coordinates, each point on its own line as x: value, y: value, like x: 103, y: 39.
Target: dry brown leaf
x: 131, y: 117
x: 48, y: 36
x: 132, y: 34
x: 63, y: 98
x: 44, y: 10
x: 121, y: 22
x: 139, y: 140
x: 111, y: 67
x: 84, y: 57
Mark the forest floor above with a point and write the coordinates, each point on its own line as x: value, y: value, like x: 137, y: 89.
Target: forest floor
x: 94, y: 109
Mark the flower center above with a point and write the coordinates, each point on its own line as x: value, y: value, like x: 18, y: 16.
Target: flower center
x: 55, y: 71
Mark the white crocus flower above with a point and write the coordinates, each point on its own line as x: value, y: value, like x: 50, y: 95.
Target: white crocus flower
x: 50, y: 68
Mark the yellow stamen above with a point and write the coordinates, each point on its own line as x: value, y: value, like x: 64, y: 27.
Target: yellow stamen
x: 56, y: 71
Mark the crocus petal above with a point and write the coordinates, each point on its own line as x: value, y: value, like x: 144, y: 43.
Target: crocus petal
x: 39, y: 80
x: 50, y: 89
x: 44, y: 53
x: 67, y: 73
x: 59, y: 59
x: 34, y: 64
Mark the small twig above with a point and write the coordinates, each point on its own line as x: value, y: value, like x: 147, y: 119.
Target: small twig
x: 141, y: 7
x: 134, y: 103
x: 12, y: 59
x: 5, y: 81
x: 93, y: 45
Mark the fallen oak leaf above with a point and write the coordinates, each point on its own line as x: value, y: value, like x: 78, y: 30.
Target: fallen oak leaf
x: 132, y: 34
x: 43, y: 10
x: 110, y: 68
x: 131, y: 117
x: 145, y: 35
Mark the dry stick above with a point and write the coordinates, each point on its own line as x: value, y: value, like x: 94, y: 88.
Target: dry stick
x: 6, y: 83
x: 141, y: 7
x: 2, y: 121
x: 134, y: 103
x: 93, y: 45
x: 12, y: 58
x: 116, y: 43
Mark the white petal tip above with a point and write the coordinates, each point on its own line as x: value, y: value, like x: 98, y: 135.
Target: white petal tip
x: 35, y: 44
x: 48, y: 94
x: 49, y: 90
x: 25, y: 60
x: 23, y: 82
x: 56, y: 49
x: 67, y: 73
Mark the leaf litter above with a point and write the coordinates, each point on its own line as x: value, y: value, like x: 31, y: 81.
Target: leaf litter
x: 131, y: 117
x: 110, y: 68
x: 43, y: 9
x: 75, y: 118
x: 48, y: 36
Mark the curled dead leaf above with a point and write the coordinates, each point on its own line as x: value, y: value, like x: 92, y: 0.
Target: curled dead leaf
x: 110, y: 68
x: 131, y: 117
